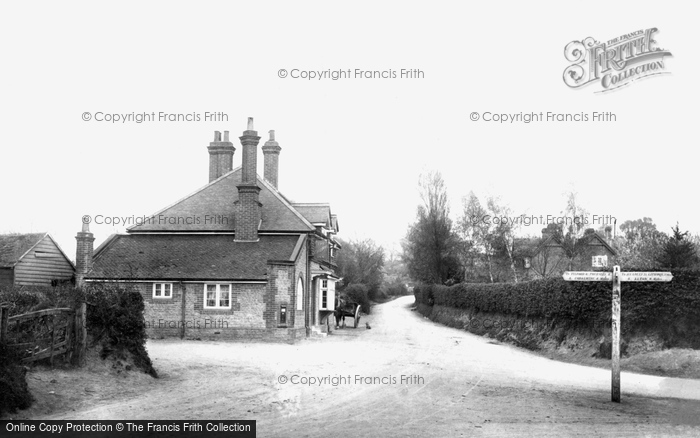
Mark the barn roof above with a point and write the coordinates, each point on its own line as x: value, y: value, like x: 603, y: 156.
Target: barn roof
x: 14, y: 246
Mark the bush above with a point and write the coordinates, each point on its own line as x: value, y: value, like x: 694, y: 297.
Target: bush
x: 396, y: 289
x: 672, y: 309
x: 115, y: 318
x: 14, y: 392
x: 358, y: 293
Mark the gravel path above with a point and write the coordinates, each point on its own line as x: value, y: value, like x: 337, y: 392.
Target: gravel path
x: 407, y: 376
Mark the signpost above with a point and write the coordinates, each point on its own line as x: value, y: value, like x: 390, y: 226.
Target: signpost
x: 616, y: 277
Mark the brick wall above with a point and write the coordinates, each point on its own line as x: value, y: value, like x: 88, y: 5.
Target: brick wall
x: 279, y: 292
x: 243, y: 322
x: 300, y: 271
x: 83, y: 254
x: 247, y: 213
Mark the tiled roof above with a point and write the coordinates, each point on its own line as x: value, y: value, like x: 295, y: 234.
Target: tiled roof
x: 315, y: 213
x: 189, y: 257
x: 212, y: 209
x: 14, y: 246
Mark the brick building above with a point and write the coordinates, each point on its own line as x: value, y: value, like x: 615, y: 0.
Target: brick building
x: 234, y: 260
x: 547, y: 257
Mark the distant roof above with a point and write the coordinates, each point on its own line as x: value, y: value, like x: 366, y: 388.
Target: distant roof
x: 189, y: 257
x: 589, y: 239
x: 211, y: 208
x: 315, y: 213
x: 14, y: 246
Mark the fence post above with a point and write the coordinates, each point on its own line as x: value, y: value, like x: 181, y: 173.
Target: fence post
x: 80, y: 331
x: 4, y: 315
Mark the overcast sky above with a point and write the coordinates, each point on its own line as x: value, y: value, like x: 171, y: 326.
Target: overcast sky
x: 358, y: 143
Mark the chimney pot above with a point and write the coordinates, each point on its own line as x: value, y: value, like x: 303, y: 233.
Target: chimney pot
x: 271, y: 151
x: 220, y: 156
x: 247, y: 219
x: 83, y: 253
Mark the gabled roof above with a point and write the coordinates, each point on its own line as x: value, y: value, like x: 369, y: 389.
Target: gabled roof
x: 189, y: 257
x: 14, y: 246
x: 211, y: 208
x: 317, y: 214
x: 551, y: 240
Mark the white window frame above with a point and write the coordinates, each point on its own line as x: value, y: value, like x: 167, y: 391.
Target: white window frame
x: 217, y: 296
x: 599, y: 261
x: 162, y: 288
x: 300, y: 294
x: 323, y: 286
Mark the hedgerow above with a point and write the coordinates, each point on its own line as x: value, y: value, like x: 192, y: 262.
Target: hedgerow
x: 672, y: 309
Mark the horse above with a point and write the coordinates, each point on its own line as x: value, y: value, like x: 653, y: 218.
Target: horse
x: 339, y: 311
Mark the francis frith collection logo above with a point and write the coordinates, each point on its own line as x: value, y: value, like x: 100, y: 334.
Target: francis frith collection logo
x: 615, y: 63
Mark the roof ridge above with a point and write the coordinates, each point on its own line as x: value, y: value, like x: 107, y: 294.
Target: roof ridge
x: 32, y: 247
x: 211, y: 183
x: 287, y: 204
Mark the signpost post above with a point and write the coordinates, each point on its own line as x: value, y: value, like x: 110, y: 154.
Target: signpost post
x: 617, y: 278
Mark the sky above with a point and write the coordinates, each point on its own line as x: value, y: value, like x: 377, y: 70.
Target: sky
x: 359, y: 143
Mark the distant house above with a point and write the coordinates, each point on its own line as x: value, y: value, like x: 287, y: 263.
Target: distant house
x: 546, y: 257
x: 33, y: 260
x: 236, y: 259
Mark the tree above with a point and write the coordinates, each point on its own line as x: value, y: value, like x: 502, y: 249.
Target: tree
x: 679, y: 251
x: 570, y: 234
x: 474, y: 229
x: 640, y: 244
x: 503, y: 233
x: 431, y: 247
x: 361, y: 262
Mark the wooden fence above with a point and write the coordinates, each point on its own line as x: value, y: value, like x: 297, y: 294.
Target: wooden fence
x: 45, y: 334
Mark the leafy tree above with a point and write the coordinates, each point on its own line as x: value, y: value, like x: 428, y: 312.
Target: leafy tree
x: 475, y: 230
x: 679, y: 251
x: 640, y: 244
x: 570, y: 234
x: 361, y: 262
x: 503, y: 233
x: 431, y: 247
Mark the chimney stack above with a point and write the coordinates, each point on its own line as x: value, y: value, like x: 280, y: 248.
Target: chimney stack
x: 248, y: 206
x: 271, y: 152
x: 220, y: 156
x: 83, y: 252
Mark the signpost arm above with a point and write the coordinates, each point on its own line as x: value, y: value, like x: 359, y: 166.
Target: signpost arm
x: 616, y: 335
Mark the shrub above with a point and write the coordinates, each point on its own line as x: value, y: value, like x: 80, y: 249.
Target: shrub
x: 115, y: 316
x: 358, y: 293
x: 14, y: 392
x: 396, y: 289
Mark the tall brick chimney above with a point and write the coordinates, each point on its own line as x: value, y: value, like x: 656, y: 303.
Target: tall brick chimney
x: 271, y: 153
x: 220, y: 156
x: 248, y: 207
x: 83, y: 253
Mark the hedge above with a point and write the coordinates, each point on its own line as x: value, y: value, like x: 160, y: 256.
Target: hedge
x: 673, y: 307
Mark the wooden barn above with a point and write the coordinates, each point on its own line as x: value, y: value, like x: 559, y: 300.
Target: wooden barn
x: 33, y: 260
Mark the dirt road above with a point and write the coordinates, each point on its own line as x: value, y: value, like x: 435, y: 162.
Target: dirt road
x: 407, y: 376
